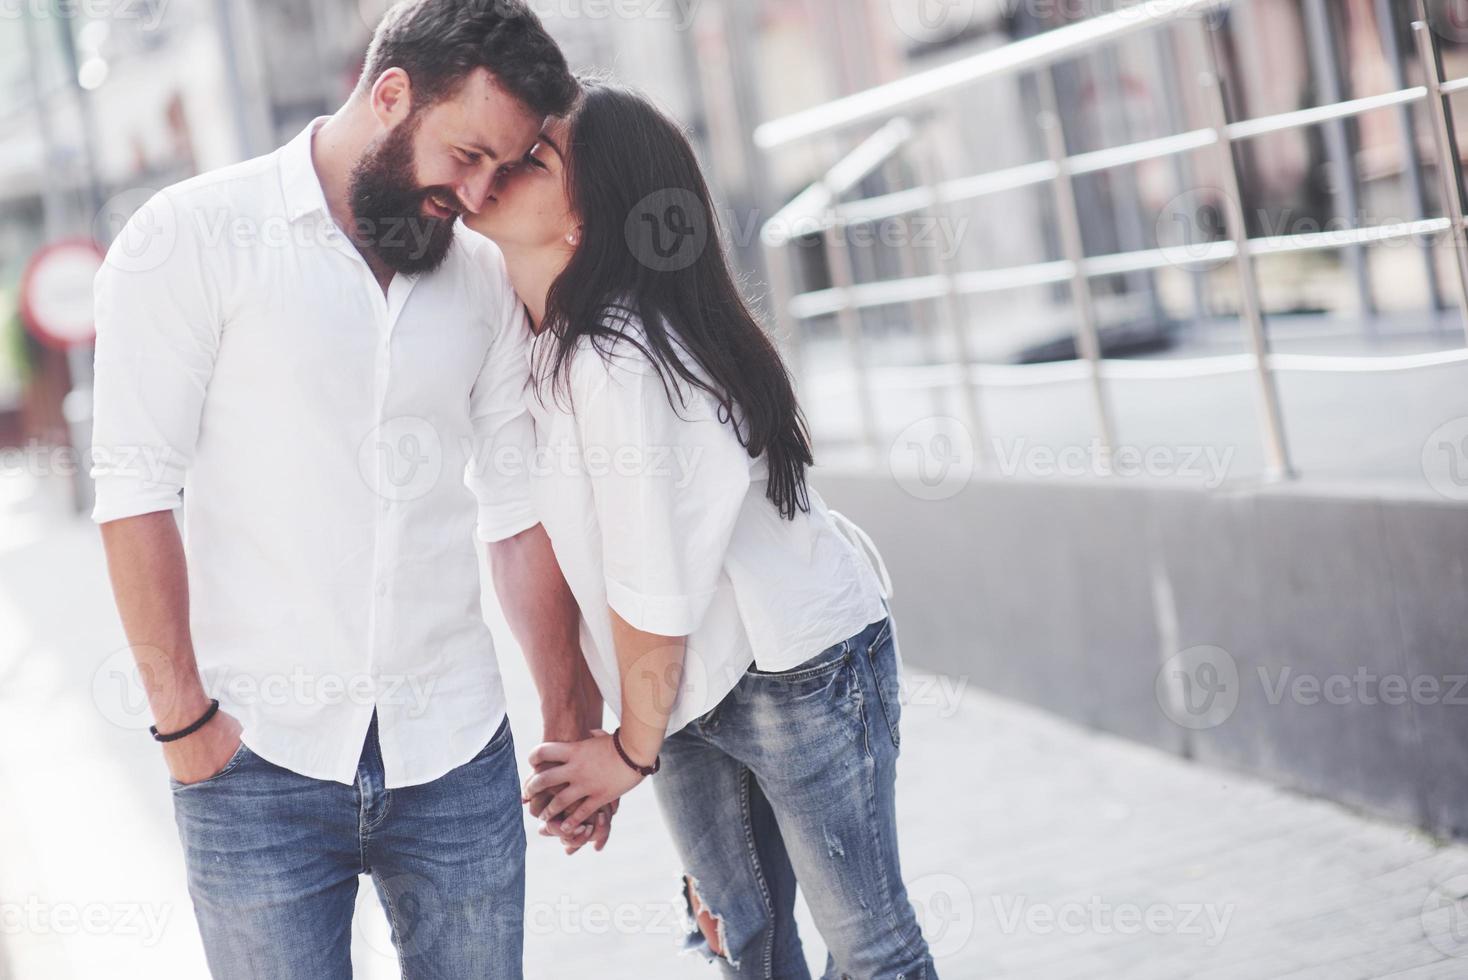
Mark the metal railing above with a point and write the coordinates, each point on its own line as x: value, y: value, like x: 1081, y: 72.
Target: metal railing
x: 906, y: 107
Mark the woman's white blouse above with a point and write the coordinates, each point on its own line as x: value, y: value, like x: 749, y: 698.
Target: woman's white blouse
x: 659, y: 513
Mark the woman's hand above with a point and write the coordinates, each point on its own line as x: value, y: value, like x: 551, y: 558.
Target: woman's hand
x: 590, y: 775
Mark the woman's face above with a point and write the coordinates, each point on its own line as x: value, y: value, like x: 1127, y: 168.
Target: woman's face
x: 528, y: 207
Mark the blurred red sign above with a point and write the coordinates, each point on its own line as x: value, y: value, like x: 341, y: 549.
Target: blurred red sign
x: 56, y: 293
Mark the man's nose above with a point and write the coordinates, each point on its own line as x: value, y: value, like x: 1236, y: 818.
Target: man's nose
x: 473, y: 192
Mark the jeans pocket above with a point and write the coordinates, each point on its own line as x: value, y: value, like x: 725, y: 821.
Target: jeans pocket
x: 882, y: 657
x: 824, y: 662
x: 496, y: 741
x: 229, y: 767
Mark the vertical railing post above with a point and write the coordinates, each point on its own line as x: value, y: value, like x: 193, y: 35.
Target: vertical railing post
x: 843, y: 277
x: 1320, y: 36
x: 1276, y: 452
x: 1391, y: 44
x: 1166, y: 70
x: 952, y: 308
x: 1088, y: 339
x: 1449, y: 167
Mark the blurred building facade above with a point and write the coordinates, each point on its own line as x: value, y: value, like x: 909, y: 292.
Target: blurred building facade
x: 150, y: 91
x: 1276, y: 56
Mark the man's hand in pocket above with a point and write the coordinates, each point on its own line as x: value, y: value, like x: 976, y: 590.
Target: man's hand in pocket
x: 196, y: 757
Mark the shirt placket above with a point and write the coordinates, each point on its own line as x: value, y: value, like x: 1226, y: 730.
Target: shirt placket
x: 386, y: 310
x: 385, y: 561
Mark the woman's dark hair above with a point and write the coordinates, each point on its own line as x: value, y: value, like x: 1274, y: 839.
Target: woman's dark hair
x: 439, y: 42
x: 650, y: 250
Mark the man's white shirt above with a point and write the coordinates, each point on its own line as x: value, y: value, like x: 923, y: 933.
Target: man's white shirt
x: 335, y: 445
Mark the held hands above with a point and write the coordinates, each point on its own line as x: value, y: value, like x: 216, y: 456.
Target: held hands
x: 595, y: 833
x: 580, y: 779
x: 574, y: 836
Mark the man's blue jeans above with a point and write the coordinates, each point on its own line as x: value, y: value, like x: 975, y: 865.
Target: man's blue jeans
x: 273, y: 859
x: 791, y: 778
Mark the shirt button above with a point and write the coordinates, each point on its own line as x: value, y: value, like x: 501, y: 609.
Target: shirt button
x: 381, y: 589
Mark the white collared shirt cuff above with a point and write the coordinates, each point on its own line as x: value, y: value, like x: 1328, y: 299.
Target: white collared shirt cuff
x: 500, y: 523
x: 118, y: 498
x: 661, y: 615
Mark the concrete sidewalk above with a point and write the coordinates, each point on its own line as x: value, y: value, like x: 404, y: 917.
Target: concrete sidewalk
x: 1032, y: 848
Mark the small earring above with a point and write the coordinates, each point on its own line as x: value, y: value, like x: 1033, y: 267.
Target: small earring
x: 571, y: 239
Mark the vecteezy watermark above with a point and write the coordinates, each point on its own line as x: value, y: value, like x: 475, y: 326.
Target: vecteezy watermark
x: 944, y: 905
x: 1192, y: 229
x: 1445, y: 459
x: 1448, y: 19
x: 1209, y: 465
x: 942, y: 235
x: 421, y: 914
x: 123, y: 680
x: 1189, y: 228
x: 668, y: 230
x: 933, y: 458
x: 1198, y: 688
x: 401, y: 458
x: 933, y: 20
x: 143, y: 227
x: 1363, y: 686
x: 680, y: 14
x: 147, y: 227
x: 565, y: 916
x: 1445, y: 916
x: 1069, y: 11
x: 1201, y: 687
x: 147, y: 13
x: 666, y: 677
x: 33, y: 917
x: 38, y: 459
x: 417, y: 911
x: 1097, y: 917
x: 938, y: 691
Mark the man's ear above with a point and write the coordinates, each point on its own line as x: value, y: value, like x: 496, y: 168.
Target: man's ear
x: 392, y: 97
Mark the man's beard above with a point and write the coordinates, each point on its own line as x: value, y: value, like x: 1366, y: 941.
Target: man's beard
x: 387, y: 205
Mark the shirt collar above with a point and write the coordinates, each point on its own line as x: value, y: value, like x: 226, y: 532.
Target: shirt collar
x: 298, y: 180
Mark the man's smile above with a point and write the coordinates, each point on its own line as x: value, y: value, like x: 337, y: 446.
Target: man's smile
x: 437, y: 207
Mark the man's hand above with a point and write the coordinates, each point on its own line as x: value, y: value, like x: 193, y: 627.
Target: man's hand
x: 601, y: 830
x: 595, y: 831
x: 585, y: 776
x: 543, y: 615
x: 194, y: 758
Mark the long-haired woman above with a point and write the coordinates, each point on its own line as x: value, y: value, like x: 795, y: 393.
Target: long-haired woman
x: 739, y: 634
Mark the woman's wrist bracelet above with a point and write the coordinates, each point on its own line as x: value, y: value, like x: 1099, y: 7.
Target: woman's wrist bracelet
x: 210, y: 712
x: 657, y: 763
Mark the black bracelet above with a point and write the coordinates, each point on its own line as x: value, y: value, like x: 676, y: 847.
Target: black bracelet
x: 644, y: 770
x: 175, y: 736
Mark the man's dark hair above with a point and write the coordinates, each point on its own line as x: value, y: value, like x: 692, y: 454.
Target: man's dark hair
x: 439, y: 42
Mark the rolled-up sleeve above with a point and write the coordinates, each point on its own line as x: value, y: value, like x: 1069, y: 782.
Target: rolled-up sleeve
x: 504, y: 435
x: 158, y: 332
x: 669, y: 485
